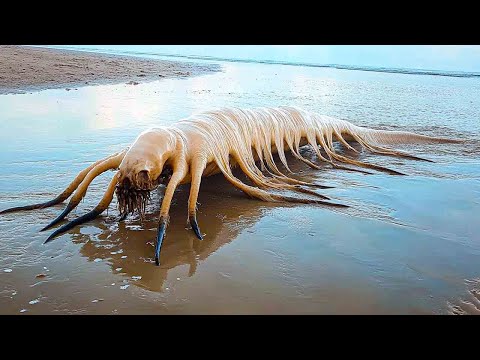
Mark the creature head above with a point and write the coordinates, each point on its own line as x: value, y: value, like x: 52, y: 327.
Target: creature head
x: 145, y: 166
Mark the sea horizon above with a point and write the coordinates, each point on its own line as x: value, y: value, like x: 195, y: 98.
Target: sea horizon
x: 370, y: 68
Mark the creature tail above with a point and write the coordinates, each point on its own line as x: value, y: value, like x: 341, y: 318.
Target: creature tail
x: 399, y: 137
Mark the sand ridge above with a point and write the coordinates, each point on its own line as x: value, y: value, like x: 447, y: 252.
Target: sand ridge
x: 26, y: 69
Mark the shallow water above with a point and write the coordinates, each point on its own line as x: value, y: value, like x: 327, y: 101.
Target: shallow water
x: 408, y: 245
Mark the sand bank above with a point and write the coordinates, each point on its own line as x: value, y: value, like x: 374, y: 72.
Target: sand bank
x: 26, y: 69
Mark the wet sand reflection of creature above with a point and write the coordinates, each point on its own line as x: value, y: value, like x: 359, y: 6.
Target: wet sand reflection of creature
x: 223, y: 221
x: 225, y: 211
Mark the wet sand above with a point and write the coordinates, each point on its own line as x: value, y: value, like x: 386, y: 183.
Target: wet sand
x: 24, y: 68
x: 407, y: 245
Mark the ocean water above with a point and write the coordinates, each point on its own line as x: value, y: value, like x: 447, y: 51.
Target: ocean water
x: 269, y: 55
x: 408, y: 244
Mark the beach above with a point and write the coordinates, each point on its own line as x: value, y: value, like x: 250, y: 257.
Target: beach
x: 406, y: 245
x: 26, y: 69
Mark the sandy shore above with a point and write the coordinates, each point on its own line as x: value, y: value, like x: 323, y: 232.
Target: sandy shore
x: 26, y: 69
x: 407, y: 245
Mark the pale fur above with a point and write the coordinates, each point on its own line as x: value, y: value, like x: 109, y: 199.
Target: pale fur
x: 216, y: 141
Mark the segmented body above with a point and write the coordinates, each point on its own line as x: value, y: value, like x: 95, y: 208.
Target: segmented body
x: 217, y: 141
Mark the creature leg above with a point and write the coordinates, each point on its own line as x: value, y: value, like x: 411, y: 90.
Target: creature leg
x: 266, y: 196
x: 385, y: 151
x: 264, y: 182
x: 281, y: 178
x: 262, y: 194
x: 362, y: 164
x: 196, y: 171
x: 110, y: 163
x: 179, y: 172
x: 102, y: 205
x: 65, y: 194
x: 340, y: 138
x: 272, y: 169
x: 313, y: 143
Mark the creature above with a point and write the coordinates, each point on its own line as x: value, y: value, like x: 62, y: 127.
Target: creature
x: 217, y: 141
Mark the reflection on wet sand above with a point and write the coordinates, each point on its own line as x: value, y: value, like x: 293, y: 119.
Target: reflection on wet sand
x: 128, y: 246
x: 224, y: 212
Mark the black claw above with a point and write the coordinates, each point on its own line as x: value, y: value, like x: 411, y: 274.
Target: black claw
x: 160, y: 235
x: 84, y: 218
x: 193, y: 222
x: 50, y: 238
x: 60, y: 217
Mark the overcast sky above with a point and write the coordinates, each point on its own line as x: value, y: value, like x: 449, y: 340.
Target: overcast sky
x: 434, y: 57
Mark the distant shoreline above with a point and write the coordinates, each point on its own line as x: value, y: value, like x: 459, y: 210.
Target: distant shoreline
x: 392, y: 70
x: 28, y: 69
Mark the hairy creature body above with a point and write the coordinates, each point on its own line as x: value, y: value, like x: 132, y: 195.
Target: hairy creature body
x: 217, y: 141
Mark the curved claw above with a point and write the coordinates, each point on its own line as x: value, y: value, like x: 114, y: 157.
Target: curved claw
x: 60, y: 217
x: 194, y: 224
x: 162, y: 226
x: 84, y: 218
